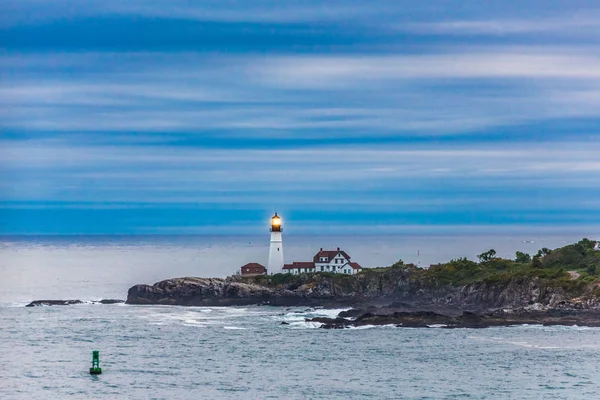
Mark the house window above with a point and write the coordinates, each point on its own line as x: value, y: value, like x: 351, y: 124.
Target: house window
x: 322, y: 268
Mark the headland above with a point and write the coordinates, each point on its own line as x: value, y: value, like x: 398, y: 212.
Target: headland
x: 560, y: 286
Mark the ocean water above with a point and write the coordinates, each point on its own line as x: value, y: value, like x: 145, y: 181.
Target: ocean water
x: 163, y: 352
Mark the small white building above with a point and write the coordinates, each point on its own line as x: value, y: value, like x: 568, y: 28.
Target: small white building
x: 334, y: 261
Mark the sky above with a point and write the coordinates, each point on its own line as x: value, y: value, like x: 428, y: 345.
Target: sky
x: 185, y: 117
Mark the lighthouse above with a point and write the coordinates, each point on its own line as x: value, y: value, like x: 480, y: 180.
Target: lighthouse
x: 276, y: 249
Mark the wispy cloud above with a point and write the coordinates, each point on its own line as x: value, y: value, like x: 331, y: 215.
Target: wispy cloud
x: 158, y: 173
x: 283, y: 11
x: 406, y: 113
x: 577, y: 24
x: 532, y: 62
x: 414, y: 93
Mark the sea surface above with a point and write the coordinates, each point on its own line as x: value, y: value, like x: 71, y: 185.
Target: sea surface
x: 169, y: 352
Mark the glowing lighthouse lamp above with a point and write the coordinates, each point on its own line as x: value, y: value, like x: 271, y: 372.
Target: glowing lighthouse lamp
x: 276, y: 249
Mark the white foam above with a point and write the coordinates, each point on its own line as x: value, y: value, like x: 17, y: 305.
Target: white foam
x: 550, y: 328
x: 192, y: 322
x: 291, y: 317
x: 330, y: 313
x: 234, y: 328
x: 364, y: 327
x: 304, y: 325
x: 297, y: 319
x: 515, y: 343
x: 310, y: 324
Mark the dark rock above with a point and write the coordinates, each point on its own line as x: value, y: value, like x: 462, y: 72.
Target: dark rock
x: 423, y: 319
x: 111, y: 301
x: 284, y: 323
x: 355, y: 312
x: 225, y: 292
x: 37, y: 303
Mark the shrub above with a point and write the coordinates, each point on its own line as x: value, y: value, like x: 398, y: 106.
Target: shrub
x: 522, y: 257
x: 591, y: 269
x: 487, y: 256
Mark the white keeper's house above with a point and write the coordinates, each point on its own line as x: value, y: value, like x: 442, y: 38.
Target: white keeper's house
x: 334, y: 261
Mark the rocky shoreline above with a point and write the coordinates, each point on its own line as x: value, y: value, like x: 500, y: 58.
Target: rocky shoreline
x: 364, y: 290
x: 471, y: 306
x: 40, y: 303
x: 427, y: 319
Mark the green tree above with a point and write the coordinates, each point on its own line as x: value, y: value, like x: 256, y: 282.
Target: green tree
x: 522, y: 257
x: 487, y: 256
x: 591, y: 269
x: 587, y: 243
x: 543, y: 252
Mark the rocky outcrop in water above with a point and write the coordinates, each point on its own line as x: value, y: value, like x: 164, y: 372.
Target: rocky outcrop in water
x: 38, y: 303
x: 427, y: 319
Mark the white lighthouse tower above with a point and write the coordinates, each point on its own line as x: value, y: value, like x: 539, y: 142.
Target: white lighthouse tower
x: 276, y: 249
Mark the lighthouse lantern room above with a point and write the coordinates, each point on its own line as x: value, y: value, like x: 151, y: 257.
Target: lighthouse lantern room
x: 276, y: 249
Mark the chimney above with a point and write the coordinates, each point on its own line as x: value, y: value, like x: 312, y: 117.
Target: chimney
x: 338, y: 249
x: 321, y: 249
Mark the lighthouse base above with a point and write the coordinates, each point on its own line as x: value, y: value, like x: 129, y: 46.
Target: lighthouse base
x: 275, y: 265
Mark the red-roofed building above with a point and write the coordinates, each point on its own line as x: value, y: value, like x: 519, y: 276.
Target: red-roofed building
x: 334, y: 261
x: 253, y: 269
x: 299, y: 267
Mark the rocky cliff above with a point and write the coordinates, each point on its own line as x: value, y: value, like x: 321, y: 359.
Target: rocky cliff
x: 229, y: 292
x: 364, y: 290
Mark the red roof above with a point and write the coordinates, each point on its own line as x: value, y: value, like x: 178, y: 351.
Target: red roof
x: 299, y: 264
x: 253, y: 269
x: 253, y: 265
x: 355, y: 265
x: 330, y: 254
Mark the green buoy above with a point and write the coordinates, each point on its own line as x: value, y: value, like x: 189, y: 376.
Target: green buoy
x: 95, y: 370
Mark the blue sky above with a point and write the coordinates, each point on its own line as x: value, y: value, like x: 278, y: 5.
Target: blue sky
x: 148, y: 116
